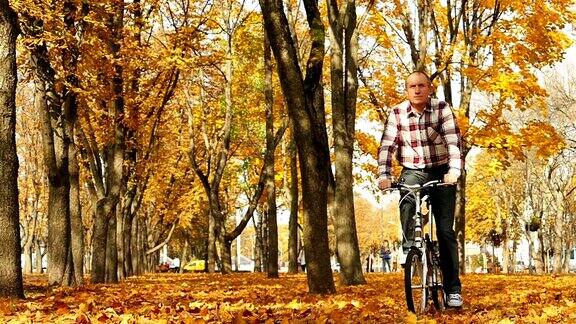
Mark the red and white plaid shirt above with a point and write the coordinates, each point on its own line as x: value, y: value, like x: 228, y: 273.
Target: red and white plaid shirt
x: 421, y: 140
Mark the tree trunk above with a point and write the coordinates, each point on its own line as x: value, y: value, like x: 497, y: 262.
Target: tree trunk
x: 10, y: 263
x: 70, y: 109
x: 120, y: 243
x: 55, y: 152
x: 183, y: 257
x: 99, y: 240
x: 460, y: 221
x: 505, y: 255
x: 28, y: 248
x: 306, y: 111
x: 566, y: 261
x: 258, y: 246
x: 111, y: 252
x: 127, y: 237
x: 558, y: 242
x: 293, y: 222
x: 27, y: 251
x: 270, y: 174
x: 344, y: 80
x: 211, y: 243
x: 38, y: 257
x: 135, y: 243
x: 77, y: 230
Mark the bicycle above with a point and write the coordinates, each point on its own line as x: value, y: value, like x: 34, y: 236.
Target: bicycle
x: 422, y: 276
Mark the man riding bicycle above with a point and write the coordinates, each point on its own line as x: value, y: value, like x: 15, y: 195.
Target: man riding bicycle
x: 423, y: 135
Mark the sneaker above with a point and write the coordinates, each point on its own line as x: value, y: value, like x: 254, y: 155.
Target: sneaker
x: 454, y: 300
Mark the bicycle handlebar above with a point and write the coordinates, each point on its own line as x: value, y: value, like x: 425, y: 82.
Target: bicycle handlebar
x: 417, y: 187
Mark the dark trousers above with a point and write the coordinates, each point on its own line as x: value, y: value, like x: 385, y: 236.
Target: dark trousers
x: 386, y: 267
x: 443, y: 201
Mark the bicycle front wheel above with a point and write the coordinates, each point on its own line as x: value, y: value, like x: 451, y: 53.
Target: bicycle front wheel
x: 415, y: 282
x: 438, y: 296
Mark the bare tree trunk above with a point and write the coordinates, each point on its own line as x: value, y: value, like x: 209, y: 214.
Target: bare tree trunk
x: 264, y: 234
x: 99, y: 241
x: 77, y: 230
x: 27, y: 251
x: 127, y: 237
x: 183, y: 257
x: 135, y: 243
x: 293, y: 222
x: 38, y: 257
x: 120, y: 243
x: 505, y: 255
x: 30, y: 238
x: 460, y: 221
x: 258, y: 246
x: 270, y: 174
x: 113, y: 156
x: 306, y: 111
x: 111, y: 252
x: 344, y: 78
x: 211, y: 244
x: 10, y: 263
x: 70, y: 109
x: 55, y: 147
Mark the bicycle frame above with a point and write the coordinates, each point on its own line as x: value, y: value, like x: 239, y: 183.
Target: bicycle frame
x: 429, y: 282
x: 415, y: 190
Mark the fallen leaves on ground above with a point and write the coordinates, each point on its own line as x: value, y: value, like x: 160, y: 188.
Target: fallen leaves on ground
x: 252, y: 298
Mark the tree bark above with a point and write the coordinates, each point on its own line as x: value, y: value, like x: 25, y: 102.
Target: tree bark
x: 304, y: 99
x: 38, y: 257
x: 460, y: 221
x: 111, y: 253
x: 183, y: 256
x: 99, y: 240
x: 293, y: 222
x: 10, y: 263
x: 28, y: 248
x: 108, y: 198
x: 55, y: 146
x: 270, y: 174
x: 344, y: 78
x: 70, y: 110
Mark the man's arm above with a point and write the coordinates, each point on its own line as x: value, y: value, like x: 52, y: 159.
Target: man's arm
x: 451, y: 135
x: 388, y: 146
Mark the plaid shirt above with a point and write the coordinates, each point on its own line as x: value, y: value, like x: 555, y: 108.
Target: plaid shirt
x: 421, y: 140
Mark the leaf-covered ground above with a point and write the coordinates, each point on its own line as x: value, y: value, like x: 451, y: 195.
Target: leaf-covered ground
x: 254, y: 298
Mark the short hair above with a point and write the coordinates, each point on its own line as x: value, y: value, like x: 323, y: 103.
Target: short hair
x: 417, y: 72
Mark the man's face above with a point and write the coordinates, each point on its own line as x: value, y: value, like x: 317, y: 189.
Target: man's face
x: 418, y: 89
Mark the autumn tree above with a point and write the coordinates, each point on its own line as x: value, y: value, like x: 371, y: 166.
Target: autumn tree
x: 10, y: 267
x: 270, y: 173
x: 305, y: 101
x: 344, y: 84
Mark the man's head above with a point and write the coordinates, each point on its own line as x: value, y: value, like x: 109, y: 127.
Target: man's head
x: 418, y: 89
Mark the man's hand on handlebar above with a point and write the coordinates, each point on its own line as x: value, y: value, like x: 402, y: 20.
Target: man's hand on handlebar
x: 384, y: 183
x: 450, y: 178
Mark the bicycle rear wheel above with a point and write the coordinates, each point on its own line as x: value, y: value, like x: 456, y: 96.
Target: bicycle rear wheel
x: 415, y: 282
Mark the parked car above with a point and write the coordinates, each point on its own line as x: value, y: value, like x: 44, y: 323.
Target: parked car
x: 195, y: 266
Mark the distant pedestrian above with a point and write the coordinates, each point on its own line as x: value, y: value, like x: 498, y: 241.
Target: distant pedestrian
x: 386, y: 255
